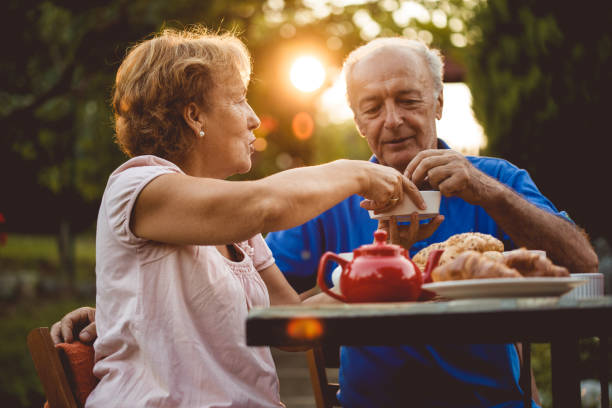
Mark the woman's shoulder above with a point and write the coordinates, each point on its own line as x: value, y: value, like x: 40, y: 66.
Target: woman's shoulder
x: 137, y: 171
x: 145, y: 163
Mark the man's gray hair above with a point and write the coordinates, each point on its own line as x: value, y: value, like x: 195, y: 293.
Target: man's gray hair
x: 431, y: 55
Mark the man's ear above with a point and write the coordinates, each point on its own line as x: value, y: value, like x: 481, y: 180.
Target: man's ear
x: 194, y: 117
x: 440, y: 104
x: 358, y: 126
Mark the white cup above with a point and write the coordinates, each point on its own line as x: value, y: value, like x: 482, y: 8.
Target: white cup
x: 407, y: 207
x: 592, y: 288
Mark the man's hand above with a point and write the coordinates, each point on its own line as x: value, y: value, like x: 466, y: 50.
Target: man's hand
x: 81, y: 321
x: 407, y: 235
x: 451, y: 173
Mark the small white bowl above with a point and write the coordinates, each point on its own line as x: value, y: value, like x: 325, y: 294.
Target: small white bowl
x: 594, y: 286
x: 407, y: 207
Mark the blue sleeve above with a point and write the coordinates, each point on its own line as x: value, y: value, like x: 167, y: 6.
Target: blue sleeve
x: 297, y: 252
x: 520, y: 181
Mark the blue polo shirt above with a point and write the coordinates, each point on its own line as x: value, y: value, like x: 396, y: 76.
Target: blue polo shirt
x: 484, y: 375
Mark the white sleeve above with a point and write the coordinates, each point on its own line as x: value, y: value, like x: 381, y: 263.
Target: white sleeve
x: 120, y: 195
x: 262, y: 255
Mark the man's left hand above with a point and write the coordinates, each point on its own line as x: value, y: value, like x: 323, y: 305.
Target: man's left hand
x: 451, y: 173
x: 407, y: 235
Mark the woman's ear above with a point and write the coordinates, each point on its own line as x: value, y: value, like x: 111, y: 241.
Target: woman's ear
x: 194, y: 117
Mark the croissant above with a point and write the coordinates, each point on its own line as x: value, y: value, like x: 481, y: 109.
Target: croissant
x: 533, y: 264
x: 473, y: 265
x: 494, y: 256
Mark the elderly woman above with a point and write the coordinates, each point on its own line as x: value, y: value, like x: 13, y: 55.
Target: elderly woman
x: 179, y: 254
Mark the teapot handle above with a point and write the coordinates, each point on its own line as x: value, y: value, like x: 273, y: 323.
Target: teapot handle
x: 321, y: 274
x: 432, y: 262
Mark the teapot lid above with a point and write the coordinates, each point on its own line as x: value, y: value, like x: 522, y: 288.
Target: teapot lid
x: 379, y: 247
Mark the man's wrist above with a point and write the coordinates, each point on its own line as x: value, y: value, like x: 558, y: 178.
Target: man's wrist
x: 493, y: 194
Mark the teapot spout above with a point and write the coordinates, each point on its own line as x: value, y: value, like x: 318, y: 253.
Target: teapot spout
x: 432, y: 262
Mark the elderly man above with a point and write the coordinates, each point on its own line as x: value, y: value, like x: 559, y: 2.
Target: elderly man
x: 395, y: 91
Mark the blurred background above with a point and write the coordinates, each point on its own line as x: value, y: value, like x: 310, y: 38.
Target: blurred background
x: 526, y: 80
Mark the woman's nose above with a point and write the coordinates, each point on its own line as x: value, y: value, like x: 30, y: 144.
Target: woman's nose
x: 253, y: 121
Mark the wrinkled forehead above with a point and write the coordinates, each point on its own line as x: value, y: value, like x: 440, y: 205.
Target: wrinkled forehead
x: 383, y: 66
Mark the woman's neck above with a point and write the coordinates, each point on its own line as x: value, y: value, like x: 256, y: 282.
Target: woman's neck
x: 197, y: 166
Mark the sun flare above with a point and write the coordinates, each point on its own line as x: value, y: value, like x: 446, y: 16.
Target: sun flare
x: 307, y: 74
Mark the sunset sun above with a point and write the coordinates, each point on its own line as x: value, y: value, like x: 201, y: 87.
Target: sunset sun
x: 307, y: 74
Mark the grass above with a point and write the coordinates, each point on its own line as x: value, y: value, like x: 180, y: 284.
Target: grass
x: 40, y: 253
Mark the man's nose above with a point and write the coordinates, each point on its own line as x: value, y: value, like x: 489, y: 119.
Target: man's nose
x: 392, y: 117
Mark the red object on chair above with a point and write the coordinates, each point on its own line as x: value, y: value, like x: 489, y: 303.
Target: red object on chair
x: 65, y: 370
x: 80, y: 358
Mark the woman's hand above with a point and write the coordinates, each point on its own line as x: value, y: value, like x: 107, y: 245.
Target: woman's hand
x: 81, y: 320
x: 385, y: 187
x: 407, y: 235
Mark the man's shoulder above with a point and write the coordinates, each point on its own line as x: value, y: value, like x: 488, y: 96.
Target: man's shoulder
x: 489, y: 161
x: 493, y: 166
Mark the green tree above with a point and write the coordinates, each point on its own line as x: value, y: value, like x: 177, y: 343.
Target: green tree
x: 541, y: 75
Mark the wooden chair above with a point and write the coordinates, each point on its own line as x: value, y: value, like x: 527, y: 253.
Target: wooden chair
x: 320, y: 358
x: 65, y: 371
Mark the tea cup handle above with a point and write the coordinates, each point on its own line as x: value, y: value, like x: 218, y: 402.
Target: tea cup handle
x: 330, y: 256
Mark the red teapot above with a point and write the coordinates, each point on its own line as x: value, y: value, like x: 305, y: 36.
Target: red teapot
x: 379, y: 272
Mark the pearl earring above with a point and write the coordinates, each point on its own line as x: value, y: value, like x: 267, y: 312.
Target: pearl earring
x: 202, y: 133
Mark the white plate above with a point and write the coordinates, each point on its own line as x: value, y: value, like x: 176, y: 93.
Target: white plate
x: 504, y: 287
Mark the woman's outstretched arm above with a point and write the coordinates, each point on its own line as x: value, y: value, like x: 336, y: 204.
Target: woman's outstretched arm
x: 180, y: 209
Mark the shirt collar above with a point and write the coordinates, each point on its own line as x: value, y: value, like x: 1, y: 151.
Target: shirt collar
x: 441, y: 145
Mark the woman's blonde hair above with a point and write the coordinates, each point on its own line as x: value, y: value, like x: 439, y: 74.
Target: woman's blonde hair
x: 160, y: 76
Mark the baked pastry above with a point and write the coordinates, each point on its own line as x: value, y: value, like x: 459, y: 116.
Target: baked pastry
x: 473, y: 265
x: 533, y: 264
x: 493, y: 264
x: 476, y: 240
x: 456, y: 244
x: 494, y: 256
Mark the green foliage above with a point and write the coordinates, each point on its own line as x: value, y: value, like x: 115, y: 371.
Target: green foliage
x: 540, y: 74
x: 57, y: 77
x: 340, y: 141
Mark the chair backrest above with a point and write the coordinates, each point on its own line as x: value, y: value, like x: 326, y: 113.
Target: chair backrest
x: 65, y: 370
x: 320, y: 358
